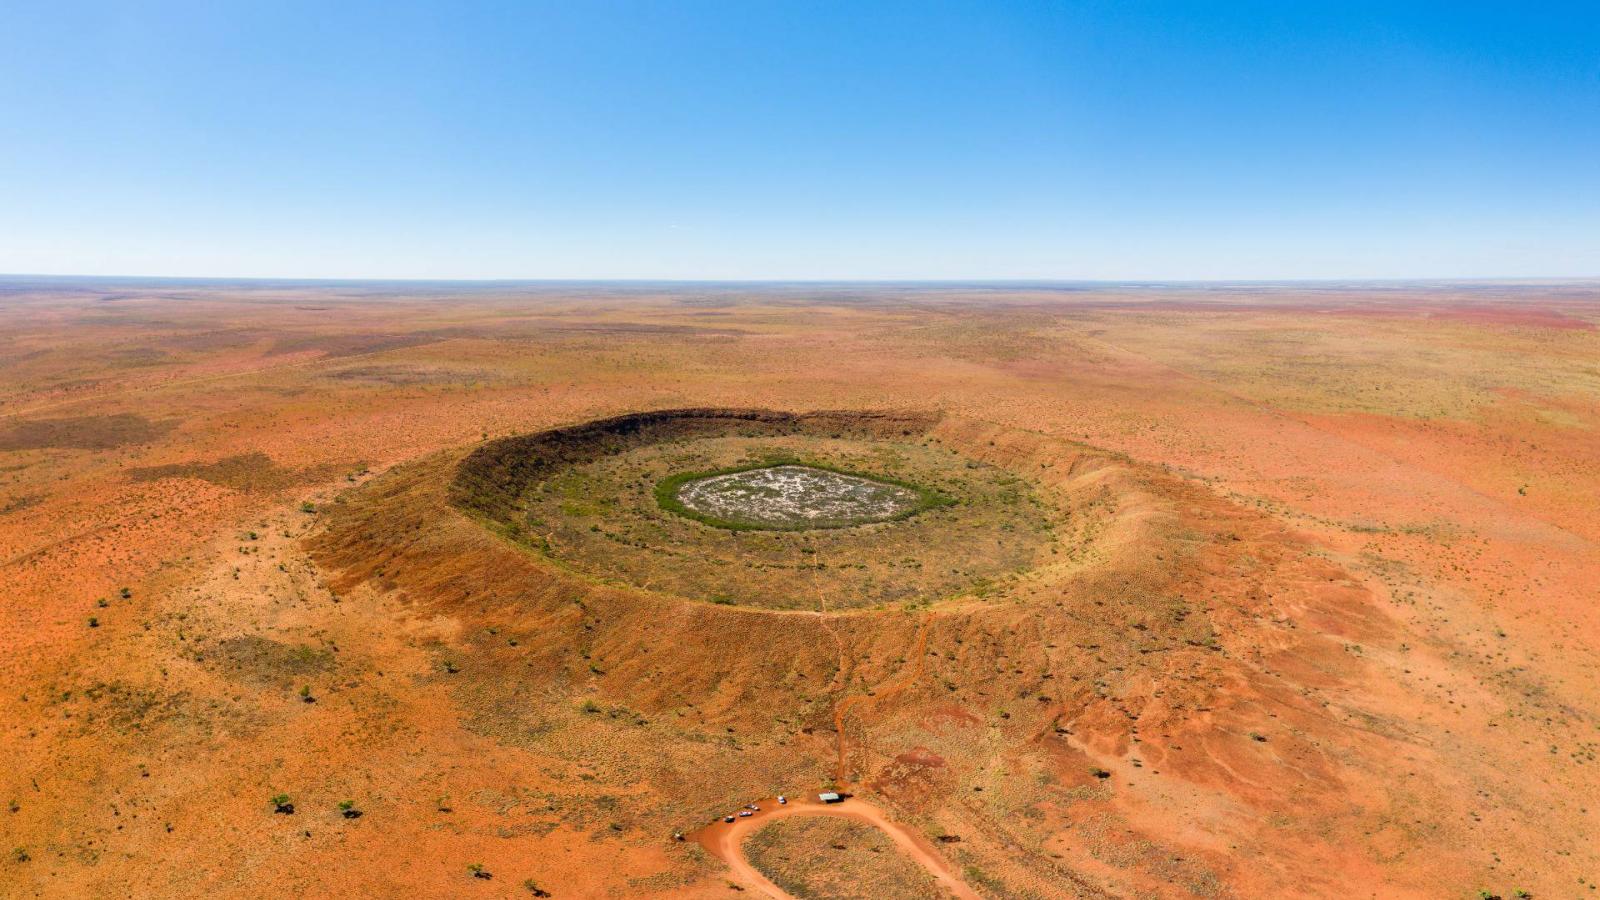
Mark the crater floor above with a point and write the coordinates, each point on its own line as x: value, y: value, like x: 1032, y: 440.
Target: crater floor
x: 792, y: 497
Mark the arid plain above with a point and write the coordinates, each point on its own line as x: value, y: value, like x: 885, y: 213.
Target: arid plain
x: 1259, y: 591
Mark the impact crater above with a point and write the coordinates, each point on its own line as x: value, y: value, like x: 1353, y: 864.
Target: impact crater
x: 791, y: 511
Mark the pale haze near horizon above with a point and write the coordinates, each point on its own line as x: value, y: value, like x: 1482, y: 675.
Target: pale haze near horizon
x: 800, y: 141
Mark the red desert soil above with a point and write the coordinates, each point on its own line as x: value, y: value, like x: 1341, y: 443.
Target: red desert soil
x: 1320, y: 622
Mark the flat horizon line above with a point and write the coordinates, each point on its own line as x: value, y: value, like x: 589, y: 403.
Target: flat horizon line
x: 13, y: 277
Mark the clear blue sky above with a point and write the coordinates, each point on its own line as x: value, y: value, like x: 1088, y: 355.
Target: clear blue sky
x: 748, y: 139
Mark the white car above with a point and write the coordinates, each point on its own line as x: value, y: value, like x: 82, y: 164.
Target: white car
x: 746, y: 814
x: 782, y: 800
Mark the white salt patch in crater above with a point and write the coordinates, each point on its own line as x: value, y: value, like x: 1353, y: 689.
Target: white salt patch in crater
x: 795, y: 495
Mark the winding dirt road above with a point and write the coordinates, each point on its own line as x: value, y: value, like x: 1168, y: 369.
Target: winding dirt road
x: 726, y: 842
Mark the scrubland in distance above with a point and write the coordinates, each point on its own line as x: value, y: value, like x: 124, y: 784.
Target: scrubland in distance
x: 1319, y: 620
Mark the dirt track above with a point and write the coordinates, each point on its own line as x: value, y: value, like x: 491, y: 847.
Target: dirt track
x: 726, y: 841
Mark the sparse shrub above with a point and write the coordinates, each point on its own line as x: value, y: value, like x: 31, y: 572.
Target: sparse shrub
x: 280, y: 804
x: 534, y: 889
x: 306, y: 506
x: 93, y: 622
x: 589, y: 706
x: 347, y: 808
x: 478, y: 871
